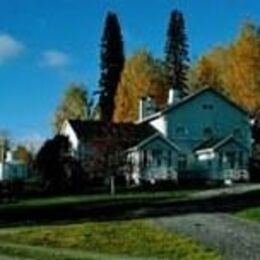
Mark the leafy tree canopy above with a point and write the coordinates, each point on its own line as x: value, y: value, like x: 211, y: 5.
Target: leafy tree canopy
x: 234, y: 68
x: 21, y: 153
x: 142, y: 75
x: 75, y: 105
x: 50, y: 163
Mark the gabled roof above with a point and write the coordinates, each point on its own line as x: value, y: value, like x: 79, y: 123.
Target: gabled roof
x: 208, y: 144
x: 191, y: 97
x: 155, y: 136
x: 216, y: 143
x: 129, y: 133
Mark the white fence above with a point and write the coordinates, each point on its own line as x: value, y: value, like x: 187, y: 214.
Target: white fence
x: 236, y: 175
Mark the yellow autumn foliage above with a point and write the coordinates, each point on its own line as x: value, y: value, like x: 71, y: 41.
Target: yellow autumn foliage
x: 234, y: 69
x: 142, y: 75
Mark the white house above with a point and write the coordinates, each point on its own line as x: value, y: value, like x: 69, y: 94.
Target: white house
x: 200, y: 136
x: 11, y: 169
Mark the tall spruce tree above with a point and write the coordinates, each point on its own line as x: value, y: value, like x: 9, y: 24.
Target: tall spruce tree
x: 176, y: 52
x: 112, y: 62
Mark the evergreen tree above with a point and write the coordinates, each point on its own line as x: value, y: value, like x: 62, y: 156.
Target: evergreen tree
x: 176, y: 52
x: 112, y: 62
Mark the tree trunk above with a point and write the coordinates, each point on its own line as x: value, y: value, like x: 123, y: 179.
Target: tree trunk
x: 112, y: 185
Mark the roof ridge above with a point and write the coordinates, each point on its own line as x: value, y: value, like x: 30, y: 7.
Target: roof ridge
x: 190, y: 96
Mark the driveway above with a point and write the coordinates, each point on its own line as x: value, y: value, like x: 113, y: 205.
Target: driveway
x: 234, y: 238
x: 203, y: 216
x: 232, y: 190
x: 231, y: 237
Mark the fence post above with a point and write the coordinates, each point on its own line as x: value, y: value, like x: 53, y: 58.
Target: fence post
x: 112, y: 185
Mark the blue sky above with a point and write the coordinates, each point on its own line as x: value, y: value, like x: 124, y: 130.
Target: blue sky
x: 45, y: 45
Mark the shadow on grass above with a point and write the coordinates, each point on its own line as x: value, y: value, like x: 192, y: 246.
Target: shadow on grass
x: 123, y: 209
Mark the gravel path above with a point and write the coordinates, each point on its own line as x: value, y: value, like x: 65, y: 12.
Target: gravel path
x: 232, y: 190
x: 231, y: 237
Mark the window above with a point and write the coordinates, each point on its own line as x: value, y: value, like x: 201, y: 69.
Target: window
x: 182, y: 162
x: 231, y: 159
x: 207, y: 107
x: 237, y: 133
x: 145, y: 159
x: 181, y: 130
x: 157, y: 157
x: 209, y: 163
x: 169, y: 159
x: 240, y: 159
x: 159, y: 161
x: 207, y: 133
x: 220, y: 159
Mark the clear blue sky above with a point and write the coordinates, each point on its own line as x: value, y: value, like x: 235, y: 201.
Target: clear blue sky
x: 44, y: 45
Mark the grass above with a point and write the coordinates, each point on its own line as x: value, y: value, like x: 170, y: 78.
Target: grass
x: 252, y: 214
x: 85, y: 207
x: 22, y: 252
x: 132, y: 238
x: 36, y: 253
x: 79, y: 199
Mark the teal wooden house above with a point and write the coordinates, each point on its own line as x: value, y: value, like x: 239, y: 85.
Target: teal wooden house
x: 202, y: 136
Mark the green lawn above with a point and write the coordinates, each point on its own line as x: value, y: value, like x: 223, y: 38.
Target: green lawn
x: 250, y: 214
x: 123, y: 238
x: 27, y: 252
x: 21, y: 252
x: 88, y: 207
x: 92, y: 240
x: 79, y: 199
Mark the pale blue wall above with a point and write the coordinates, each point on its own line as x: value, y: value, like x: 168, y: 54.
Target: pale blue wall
x: 162, y: 171
x: 223, y: 118
x: 15, y: 171
x: 214, y: 169
x: 229, y: 148
x: 185, y: 125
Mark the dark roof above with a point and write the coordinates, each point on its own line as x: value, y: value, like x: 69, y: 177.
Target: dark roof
x: 160, y: 136
x: 192, y: 96
x: 216, y: 143
x: 129, y: 133
x: 207, y: 144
